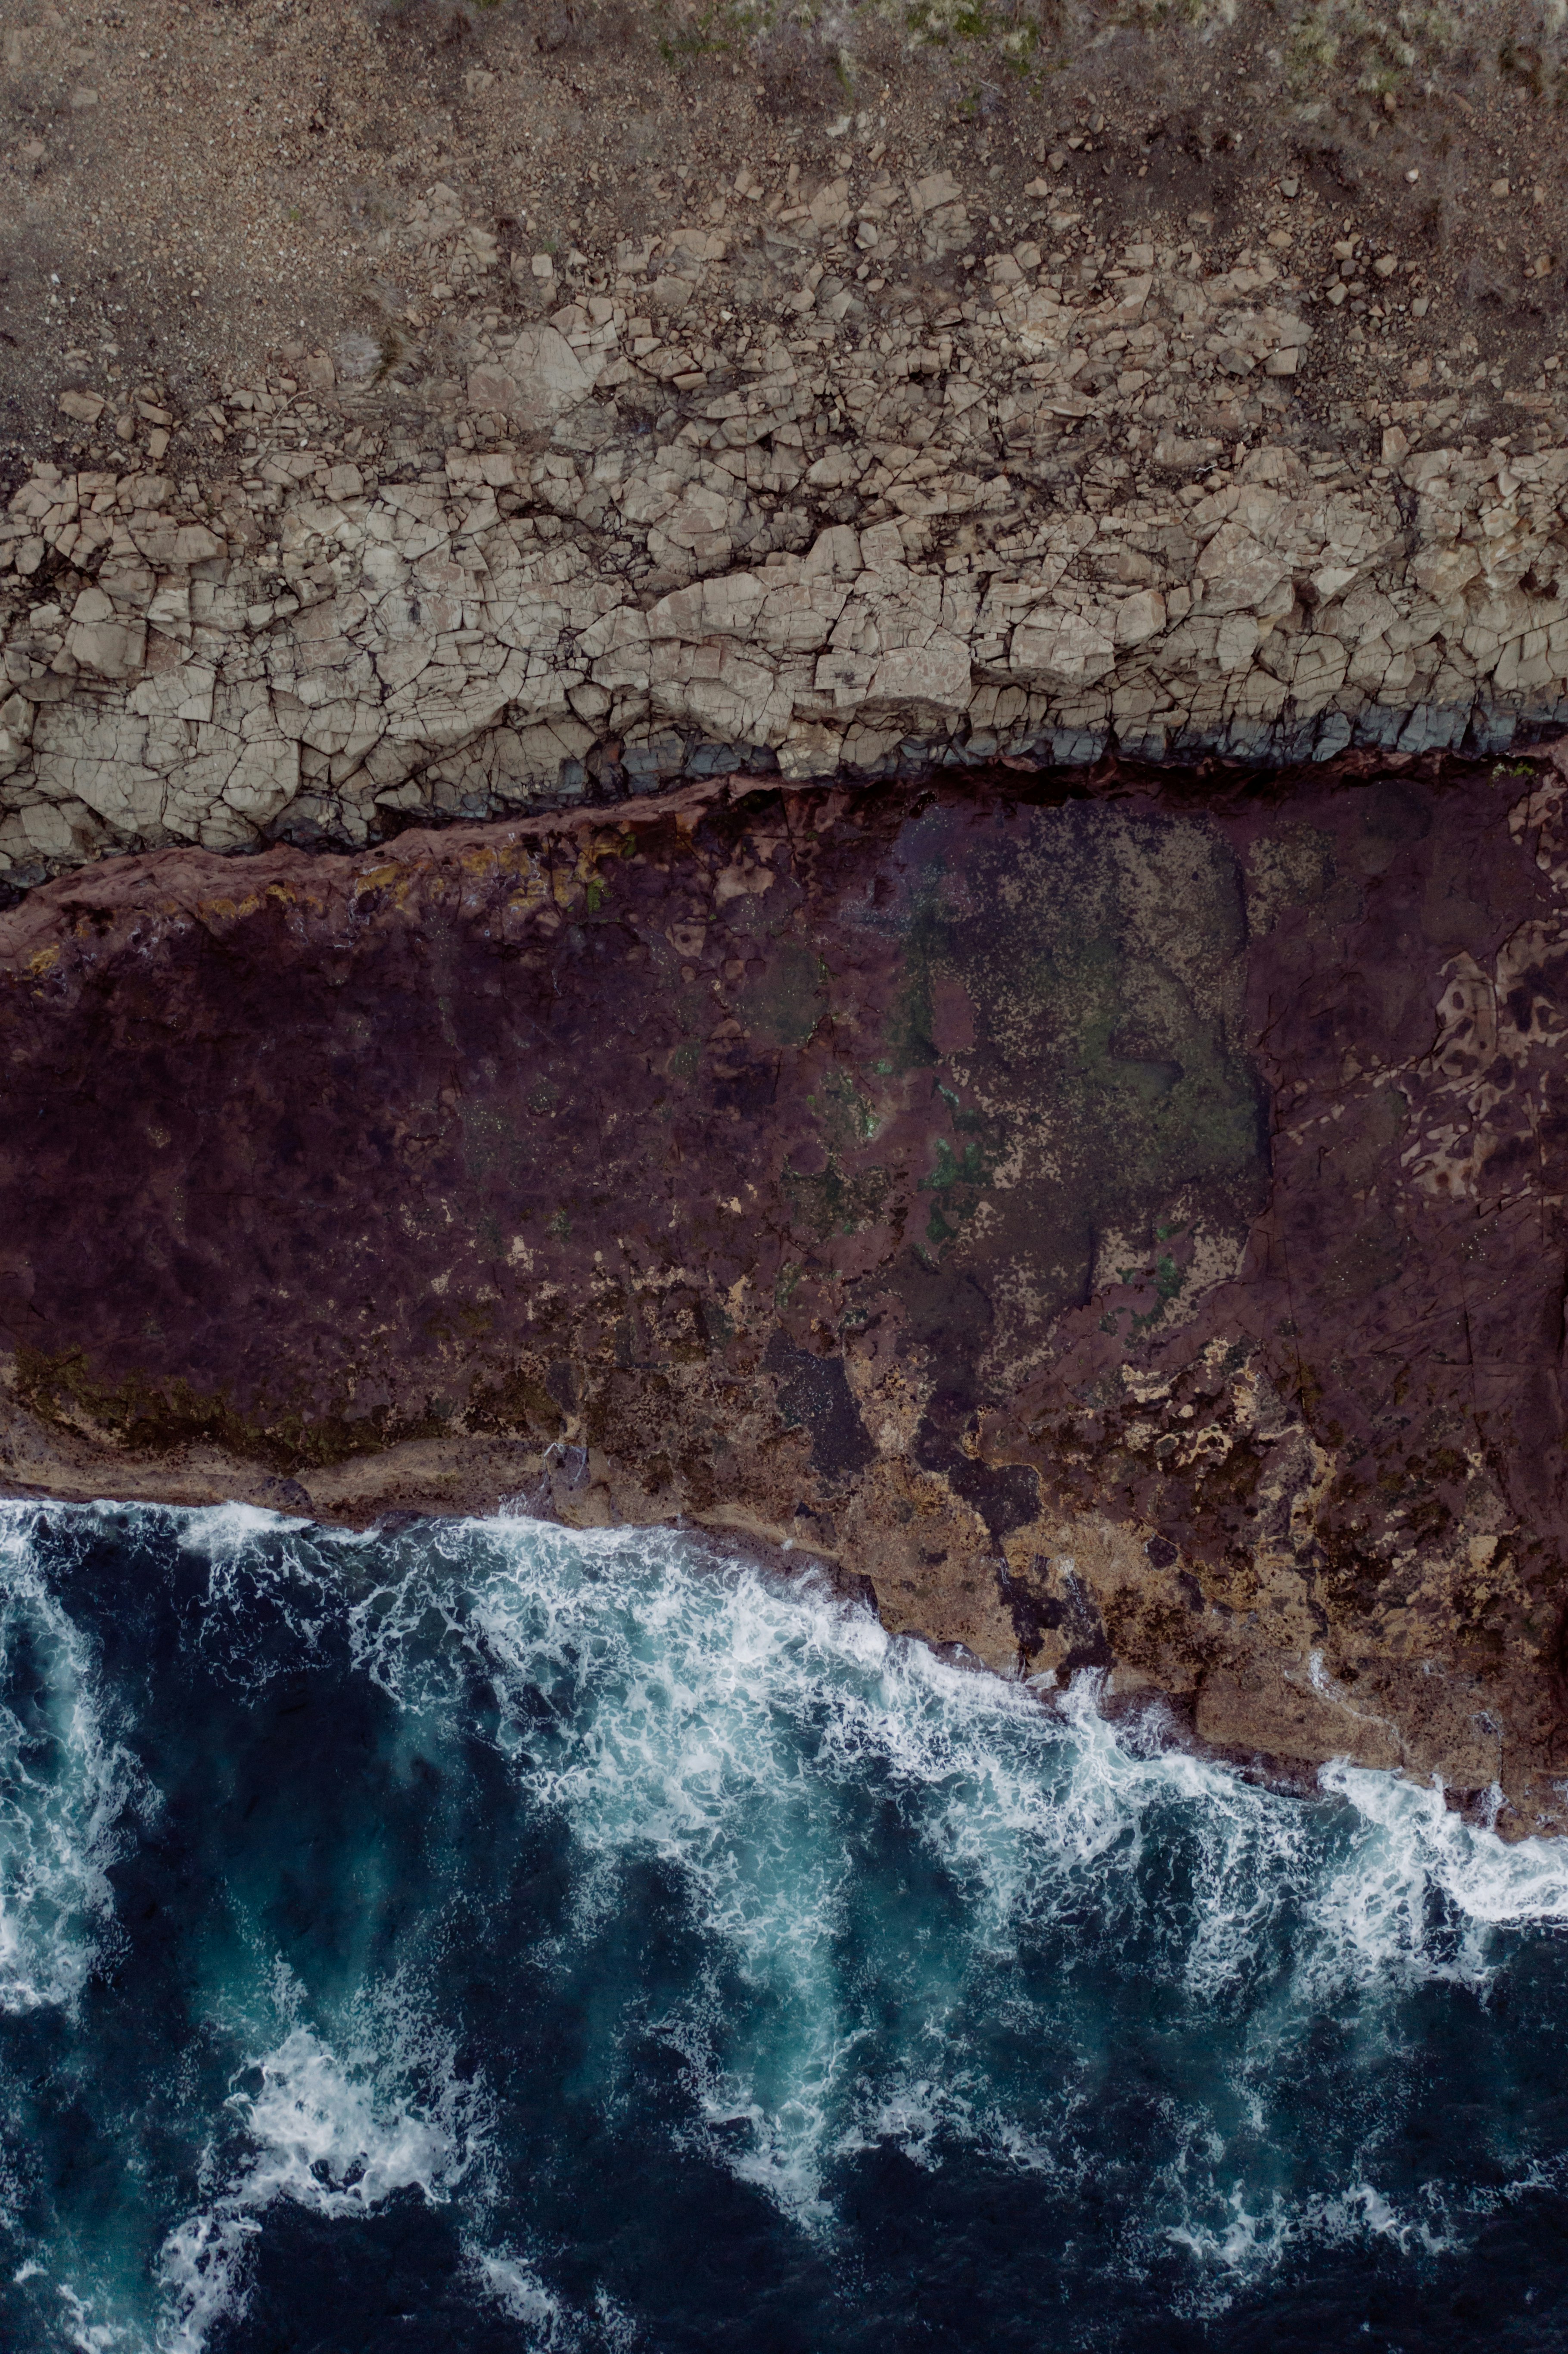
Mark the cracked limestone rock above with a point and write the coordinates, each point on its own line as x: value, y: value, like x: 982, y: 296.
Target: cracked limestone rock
x: 1007, y: 528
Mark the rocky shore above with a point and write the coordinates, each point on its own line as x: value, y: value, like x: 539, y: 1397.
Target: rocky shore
x: 812, y: 791
x: 1117, y: 1213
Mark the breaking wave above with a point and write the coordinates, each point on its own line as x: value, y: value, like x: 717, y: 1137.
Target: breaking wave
x: 492, y: 1935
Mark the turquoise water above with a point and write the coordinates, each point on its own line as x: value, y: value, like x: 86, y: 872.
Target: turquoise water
x: 485, y: 1936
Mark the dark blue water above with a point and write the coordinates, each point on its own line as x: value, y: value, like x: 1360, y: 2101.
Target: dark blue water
x: 492, y: 1937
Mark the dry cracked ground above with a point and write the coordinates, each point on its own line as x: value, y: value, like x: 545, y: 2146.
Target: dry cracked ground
x: 436, y: 412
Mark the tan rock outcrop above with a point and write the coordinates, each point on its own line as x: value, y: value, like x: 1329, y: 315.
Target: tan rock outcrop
x: 995, y: 531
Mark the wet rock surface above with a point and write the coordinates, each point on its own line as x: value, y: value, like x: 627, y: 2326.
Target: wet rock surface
x: 1115, y: 1211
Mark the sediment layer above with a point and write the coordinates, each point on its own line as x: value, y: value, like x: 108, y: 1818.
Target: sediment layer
x: 1118, y: 1213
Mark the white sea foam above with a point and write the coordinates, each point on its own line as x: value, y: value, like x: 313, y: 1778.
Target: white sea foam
x: 81, y: 2331
x: 65, y: 1786
x: 269, y: 1588
x: 503, y: 2278
x: 745, y: 1738
x: 201, y: 2269
x: 1241, y: 2240
x: 337, y: 2135
x: 618, y: 2329
x: 499, y: 2276
x: 721, y: 1724
x: 1489, y: 1881
x: 337, y: 2141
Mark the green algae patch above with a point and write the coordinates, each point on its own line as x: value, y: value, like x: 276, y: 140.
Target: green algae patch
x: 1090, y: 1069
x: 830, y: 1202
x: 782, y: 1006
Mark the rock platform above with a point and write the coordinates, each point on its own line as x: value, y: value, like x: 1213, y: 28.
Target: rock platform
x: 1117, y: 1215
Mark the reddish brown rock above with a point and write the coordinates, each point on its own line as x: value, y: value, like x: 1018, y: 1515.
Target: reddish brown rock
x: 1127, y: 1228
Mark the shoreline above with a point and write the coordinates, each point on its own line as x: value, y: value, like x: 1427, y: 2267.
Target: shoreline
x: 1156, y: 1717
x: 1018, y: 1189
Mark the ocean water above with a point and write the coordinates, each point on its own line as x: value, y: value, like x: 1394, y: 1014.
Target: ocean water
x: 483, y: 1936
